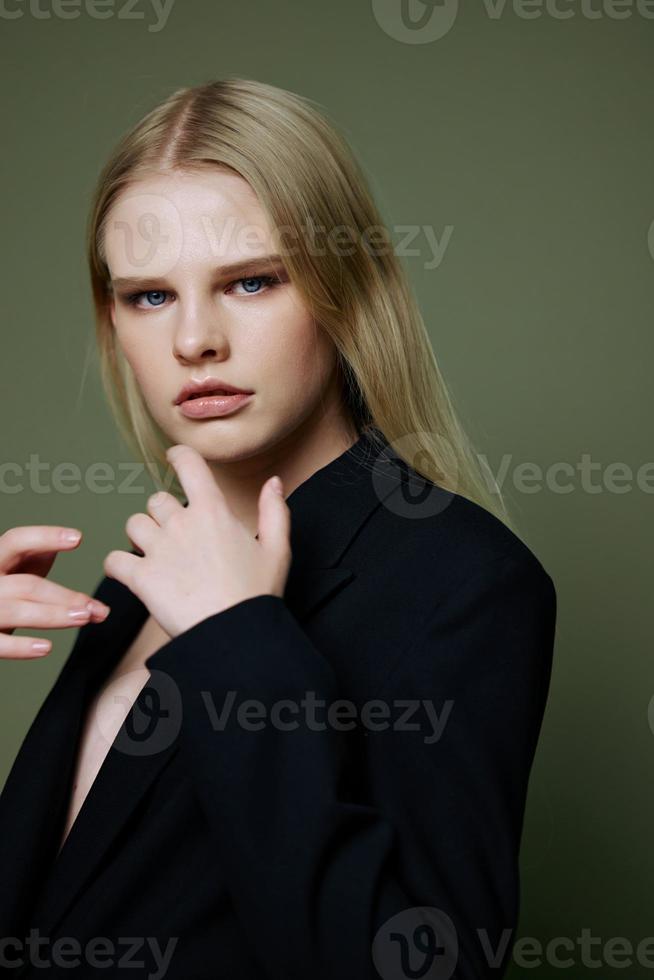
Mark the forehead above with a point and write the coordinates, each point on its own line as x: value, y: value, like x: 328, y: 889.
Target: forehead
x: 208, y: 217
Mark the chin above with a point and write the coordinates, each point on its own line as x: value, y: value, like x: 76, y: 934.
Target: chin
x: 217, y: 445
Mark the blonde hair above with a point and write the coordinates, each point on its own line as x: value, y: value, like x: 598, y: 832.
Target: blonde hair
x: 301, y: 170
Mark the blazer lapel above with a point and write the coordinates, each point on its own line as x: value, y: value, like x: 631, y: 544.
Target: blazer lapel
x: 34, y: 801
x: 32, y: 797
x: 327, y: 511
x: 129, y: 768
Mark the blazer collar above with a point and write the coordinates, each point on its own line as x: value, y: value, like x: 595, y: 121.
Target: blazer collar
x: 327, y: 512
x: 328, y: 508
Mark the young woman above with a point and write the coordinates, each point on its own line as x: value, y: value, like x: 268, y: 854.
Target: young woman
x: 298, y: 746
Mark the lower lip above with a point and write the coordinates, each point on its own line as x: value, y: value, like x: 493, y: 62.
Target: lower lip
x: 213, y: 405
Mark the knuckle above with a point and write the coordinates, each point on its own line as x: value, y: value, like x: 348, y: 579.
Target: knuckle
x: 16, y: 613
x: 135, y: 522
x: 28, y: 584
x: 175, y: 522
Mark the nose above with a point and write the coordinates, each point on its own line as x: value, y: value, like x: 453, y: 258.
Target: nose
x: 199, y: 333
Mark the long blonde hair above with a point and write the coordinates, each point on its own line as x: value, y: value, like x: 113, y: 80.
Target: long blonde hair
x: 301, y: 170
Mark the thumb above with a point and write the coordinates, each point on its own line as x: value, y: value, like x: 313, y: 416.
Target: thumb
x: 274, y: 517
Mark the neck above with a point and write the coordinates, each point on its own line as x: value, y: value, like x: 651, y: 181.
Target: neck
x: 294, y: 457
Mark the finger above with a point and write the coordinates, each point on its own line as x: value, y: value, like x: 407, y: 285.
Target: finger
x: 162, y: 505
x: 123, y: 567
x: 16, y: 614
x: 37, y: 589
x: 274, y: 520
x: 141, y: 530
x: 194, y: 475
x: 23, y: 647
x: 31, y: 539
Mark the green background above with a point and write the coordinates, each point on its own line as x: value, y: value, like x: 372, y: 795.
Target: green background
x: 533, y: 141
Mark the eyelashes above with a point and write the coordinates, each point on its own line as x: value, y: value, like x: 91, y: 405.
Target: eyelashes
x: 133, y: 299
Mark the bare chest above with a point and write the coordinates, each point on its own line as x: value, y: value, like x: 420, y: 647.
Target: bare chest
x: 107, y: 712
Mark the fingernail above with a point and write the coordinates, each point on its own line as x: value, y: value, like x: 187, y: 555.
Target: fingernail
x: 276, y: 485
x: 79, y: 612
x: 70, y: 535
x: 99, y: 608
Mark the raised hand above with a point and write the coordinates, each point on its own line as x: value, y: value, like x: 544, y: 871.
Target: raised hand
x: 28, y: 600
x: 200, y: 559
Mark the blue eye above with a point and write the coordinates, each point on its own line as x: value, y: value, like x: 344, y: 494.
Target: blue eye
x: 157, y: 297
x: 269, y: 280
x: 158, y: 294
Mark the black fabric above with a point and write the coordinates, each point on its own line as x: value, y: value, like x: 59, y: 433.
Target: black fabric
x: 384, y: 842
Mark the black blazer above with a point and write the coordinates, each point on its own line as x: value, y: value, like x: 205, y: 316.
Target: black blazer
x: 285, y: 843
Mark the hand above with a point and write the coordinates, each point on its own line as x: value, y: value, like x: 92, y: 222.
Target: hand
x: 27, y: 601
x: 200, y: 559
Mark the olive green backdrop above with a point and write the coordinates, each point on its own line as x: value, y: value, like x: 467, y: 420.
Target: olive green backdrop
x: 522, y: 139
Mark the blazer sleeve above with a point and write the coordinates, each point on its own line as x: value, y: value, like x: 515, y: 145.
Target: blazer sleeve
x: 427, y: 873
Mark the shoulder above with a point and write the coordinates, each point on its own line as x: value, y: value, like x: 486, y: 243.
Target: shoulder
x: 478, y: 600
x: 455, y: 539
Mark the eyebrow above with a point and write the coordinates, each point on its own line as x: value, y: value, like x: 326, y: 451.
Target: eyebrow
x: 233, y: 269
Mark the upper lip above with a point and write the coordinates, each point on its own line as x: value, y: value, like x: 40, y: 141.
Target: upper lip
x: 208, y: 386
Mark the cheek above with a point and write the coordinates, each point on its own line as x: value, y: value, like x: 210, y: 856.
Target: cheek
x: 296, y: 356
x: 142, y: 360
x: 128, y: 342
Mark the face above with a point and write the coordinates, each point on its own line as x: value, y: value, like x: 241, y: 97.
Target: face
x: 180, y: 314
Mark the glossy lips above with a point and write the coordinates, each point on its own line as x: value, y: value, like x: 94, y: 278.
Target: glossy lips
x: 199, y: 399
x: 212, y: 406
